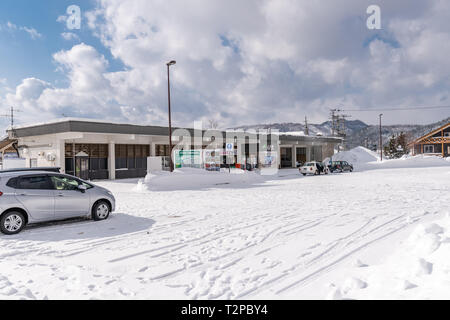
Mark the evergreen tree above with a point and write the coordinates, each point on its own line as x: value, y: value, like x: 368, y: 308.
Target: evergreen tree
x: 397, y: 146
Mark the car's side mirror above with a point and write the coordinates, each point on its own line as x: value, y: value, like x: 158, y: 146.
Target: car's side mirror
x: 82, y: 188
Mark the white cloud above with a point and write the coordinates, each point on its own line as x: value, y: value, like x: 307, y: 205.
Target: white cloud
x: 62, y: 19
x: 255, y: 61
x: 34, y: 34
x: 70, y: 36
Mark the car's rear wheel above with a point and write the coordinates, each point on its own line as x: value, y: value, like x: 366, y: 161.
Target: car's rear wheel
x: 12, y: 223
x: 101, y: 211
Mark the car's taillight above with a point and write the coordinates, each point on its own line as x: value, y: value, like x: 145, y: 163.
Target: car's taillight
x: 1, y: 193
x: 310, y: 169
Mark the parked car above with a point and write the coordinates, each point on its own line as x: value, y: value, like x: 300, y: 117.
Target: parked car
x: 41, y: 196
x: 340, y: 166
x: 314, y: 167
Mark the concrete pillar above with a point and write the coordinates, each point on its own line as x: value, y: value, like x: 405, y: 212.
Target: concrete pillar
x: 153, y: 149
x: 112, y: 161
x: 294, y: 157
x: 279, y: 157
x: 308, y: 154
x: 60, y: 155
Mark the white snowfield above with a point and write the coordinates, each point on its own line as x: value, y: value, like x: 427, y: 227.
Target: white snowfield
x: 372, y: 234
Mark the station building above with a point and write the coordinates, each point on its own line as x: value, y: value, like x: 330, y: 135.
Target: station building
x: 95, y: 150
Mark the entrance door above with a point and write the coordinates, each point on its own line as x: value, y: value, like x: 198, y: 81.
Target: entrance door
x: 82, y: 167
x: 286, y: 157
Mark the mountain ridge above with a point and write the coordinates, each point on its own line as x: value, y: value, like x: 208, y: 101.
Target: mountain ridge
x: 358, y: 132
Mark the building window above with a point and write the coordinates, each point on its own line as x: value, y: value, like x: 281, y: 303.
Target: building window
x: 446, y: 134
x: 428, y: 149
x: 162, y: 150
x: 97, y: 158
x: 132, y: 156
x: 316, y: 153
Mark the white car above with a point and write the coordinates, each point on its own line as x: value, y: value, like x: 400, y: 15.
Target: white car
x: 313, y: 167
x: 28, y: 197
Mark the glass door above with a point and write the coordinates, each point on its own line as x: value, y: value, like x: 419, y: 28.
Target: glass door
x: 82, y: 168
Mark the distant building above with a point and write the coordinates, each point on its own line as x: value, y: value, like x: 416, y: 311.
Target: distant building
x: 7, y: 150
x: 93, y: 149
x: 436, y: 142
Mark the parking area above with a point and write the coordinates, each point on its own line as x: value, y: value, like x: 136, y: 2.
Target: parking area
x: 277, y: 238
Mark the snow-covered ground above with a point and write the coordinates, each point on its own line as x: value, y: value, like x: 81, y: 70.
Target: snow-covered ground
x: 367, y: 234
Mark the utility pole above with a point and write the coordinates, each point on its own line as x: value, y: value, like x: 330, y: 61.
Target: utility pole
x: 338, y: 124
x: 381, y: 141
x: 333, y: 121
x: 306, y: 126
x: 171, y: 63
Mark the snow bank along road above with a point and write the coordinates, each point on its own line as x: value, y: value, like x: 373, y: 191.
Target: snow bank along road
x: 286, y: 238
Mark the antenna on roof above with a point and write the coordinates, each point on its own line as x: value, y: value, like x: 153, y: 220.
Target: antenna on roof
x: 10, y: 116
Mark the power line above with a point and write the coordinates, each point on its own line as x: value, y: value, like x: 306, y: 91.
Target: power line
x: 397, y: 109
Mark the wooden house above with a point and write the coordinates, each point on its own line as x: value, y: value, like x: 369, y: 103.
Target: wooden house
x: 436, y: 142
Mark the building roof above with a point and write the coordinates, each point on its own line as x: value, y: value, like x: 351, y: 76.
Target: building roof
x: 431, y: 133
x: 98, y: 126
x: 6, y: 144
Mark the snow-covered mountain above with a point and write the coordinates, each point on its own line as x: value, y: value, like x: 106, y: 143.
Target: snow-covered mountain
x: 314, y: 129
x: 358, y: 132
x: 369, y: 136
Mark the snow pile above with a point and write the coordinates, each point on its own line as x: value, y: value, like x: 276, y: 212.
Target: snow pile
x: 364, y: 159
x: 191, y: 179
x: 419, y: 269
x: 358, y: 155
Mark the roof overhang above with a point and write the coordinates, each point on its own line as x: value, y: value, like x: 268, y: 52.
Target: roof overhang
x: 424, y: 138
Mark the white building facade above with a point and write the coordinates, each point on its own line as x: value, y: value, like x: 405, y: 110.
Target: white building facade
x: 99, y: 150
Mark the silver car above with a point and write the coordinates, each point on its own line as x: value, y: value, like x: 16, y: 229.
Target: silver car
x: 40, y: 196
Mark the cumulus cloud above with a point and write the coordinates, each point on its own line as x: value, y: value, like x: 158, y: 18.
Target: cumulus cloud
x: 243, y: 62
x: 263, y: 61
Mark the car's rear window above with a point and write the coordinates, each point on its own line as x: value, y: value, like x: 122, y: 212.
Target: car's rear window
x: 12, y: 183
x: 35, y: 183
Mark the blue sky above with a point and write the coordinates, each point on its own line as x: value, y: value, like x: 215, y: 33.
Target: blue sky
x: 258, y: 61
x: 22, y: 57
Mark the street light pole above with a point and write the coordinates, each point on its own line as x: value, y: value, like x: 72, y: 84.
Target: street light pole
x: 171, y: 63
x: 381, y: 140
